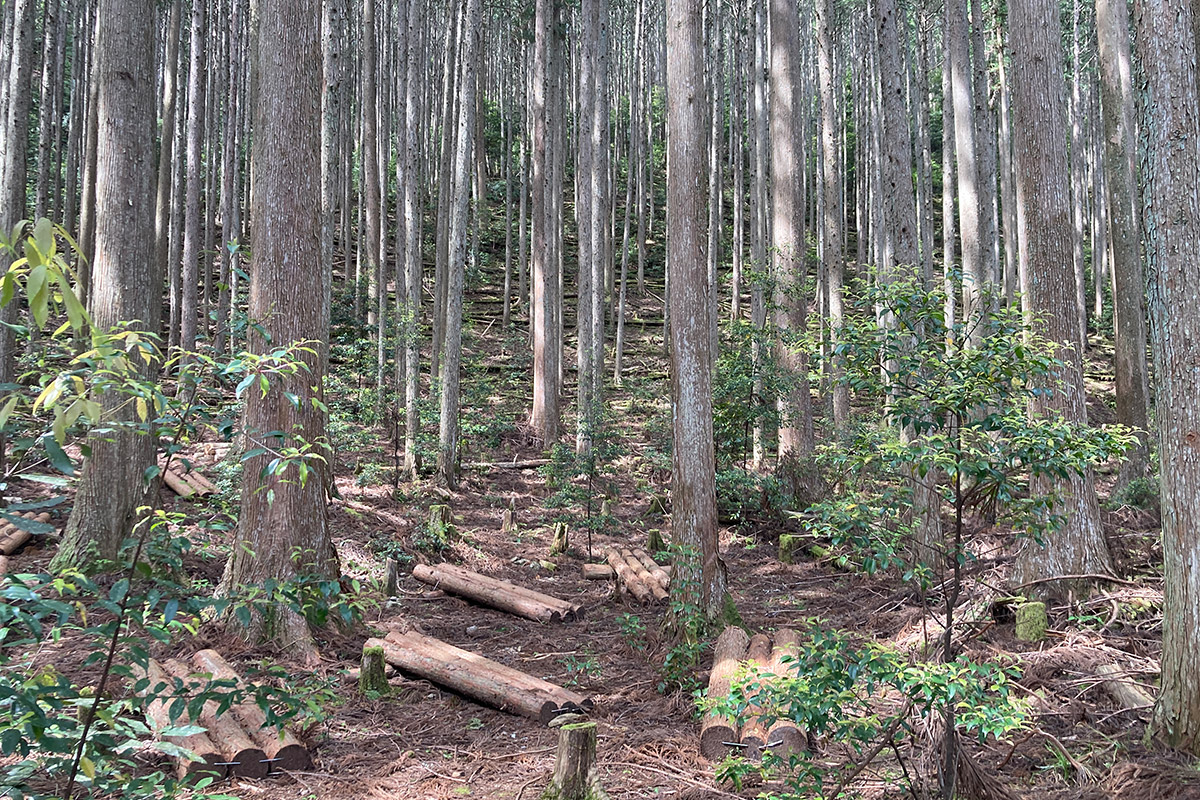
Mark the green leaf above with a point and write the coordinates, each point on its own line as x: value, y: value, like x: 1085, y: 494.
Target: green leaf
x: 29, y: 525
x: 58, y: 457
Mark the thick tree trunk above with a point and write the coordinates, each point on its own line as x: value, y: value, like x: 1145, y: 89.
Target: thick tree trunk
x: 125, y: 278
x: 1170, y: 124
x: 700, y: 578
x: 282, y: 530
x: 1039, y: 103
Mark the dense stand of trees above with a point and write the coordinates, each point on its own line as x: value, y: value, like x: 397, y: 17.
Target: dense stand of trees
x: 354, y: 151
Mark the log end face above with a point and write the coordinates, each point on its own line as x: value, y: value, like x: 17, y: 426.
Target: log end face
x: 714, y: 741
x: 250, y: 764
x: 291, y: 757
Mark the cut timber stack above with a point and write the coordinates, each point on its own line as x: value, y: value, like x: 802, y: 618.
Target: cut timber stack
x: 13, y: 538
x: 237, y: 742
x: 495, y: 593
x: 479, y: 678
x: 187, y: 482
x: 718, y: 734
x: 639, y: 575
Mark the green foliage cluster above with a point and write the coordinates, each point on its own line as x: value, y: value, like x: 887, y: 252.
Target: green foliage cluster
x: 832, y: 689
x: 579, y: 482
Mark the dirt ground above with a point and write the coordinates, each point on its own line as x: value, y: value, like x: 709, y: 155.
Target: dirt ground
x: 423, y: 742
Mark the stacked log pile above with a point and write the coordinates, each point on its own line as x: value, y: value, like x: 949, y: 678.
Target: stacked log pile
x: 13, y: 538
x: 479, y: 678
x: 238, y: 742
x: 721, y: 735
x: 639, y: 575
x: 495, y: 593
x: 186, y: 482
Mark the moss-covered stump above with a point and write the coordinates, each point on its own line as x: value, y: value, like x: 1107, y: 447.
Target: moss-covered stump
x: 575, y: 776
x: 441, y: 523
x: 655, y: 542
x: 373, y: 675
x: 789, y: 547
x: 1031, y: 622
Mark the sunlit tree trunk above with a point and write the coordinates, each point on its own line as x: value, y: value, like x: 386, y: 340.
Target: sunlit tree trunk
x: 190, y: 276
x: 125, y: 278
x: 413, y: 210
x: 959, y: 65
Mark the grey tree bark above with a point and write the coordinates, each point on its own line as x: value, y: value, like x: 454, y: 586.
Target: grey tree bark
x: 700, y: 578
x: 194, y: 175
x: 125, y: 278
x: 282, y: 529
x: 1048, y: 282
x: 1169, y: 116
x: 1129, y: 297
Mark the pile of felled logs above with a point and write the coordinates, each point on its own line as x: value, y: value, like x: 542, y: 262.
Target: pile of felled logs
x: 13, y: 538
x: 636, y: 572
x: 238, y: 742
x: 721, y: 735
x: 186, y: 482
x: 479, y: 678
x: 495, y: 593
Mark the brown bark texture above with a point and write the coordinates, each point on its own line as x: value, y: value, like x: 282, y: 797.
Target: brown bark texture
x: 716, y: 731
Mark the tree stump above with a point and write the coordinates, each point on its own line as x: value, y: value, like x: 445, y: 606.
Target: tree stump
x: 575, y: 776
x: 1031, y: 622
x: 658, y: 505
x: 509, y: 525
x: 441, y: 523
x: 789, y: 547
x: 373, y: 675
x: 391, y: 577
x: 654, y: 542
x: 561, y: 541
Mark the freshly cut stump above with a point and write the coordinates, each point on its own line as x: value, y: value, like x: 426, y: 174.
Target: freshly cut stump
x: 575, y: 776
x: 784, y: 737
x: 718, y: 734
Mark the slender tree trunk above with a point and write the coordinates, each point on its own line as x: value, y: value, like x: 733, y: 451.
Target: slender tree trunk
x: 787, y: 226
x: 1129, y: 298
x: 1167, y: 51
x: 194, y: 175
x: 1008, y: 191
x: 410, y: 317
x: 450, y: 88
x: 959, y: 64
x: 1039, y: 102
x: 125, y: 279
x: 700, y: 577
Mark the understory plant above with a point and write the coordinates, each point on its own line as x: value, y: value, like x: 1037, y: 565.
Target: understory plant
x: 955, y: 434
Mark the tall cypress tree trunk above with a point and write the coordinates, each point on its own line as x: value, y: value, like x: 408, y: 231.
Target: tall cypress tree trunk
x: 1048, y: 282
x: 192, y: 254
x: 282, y: 529
x: 1167, y: 50
x: 789, y: 249
x: 125, y: 278
x: 700, y: 578
x: 1129, y: 297
x: 413, y: 210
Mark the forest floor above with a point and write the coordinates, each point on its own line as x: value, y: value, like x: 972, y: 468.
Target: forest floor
x: 424, y: 742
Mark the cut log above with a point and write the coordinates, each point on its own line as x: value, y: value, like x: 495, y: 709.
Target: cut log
x: 784, y: 737
x: 1120, y: 687
x: 628, y: 578
x: 242, y: 754
x: 3, y: 566
x: 13, y: 538
x: 567, y: 700
x: 477, y: 677
x: 754, y: 732
x: 495, y: 593
x: 659, y: 574
x: 598, y: 572
x: 651, y: 582
x: 201, y: 482
x: 284, y: 751
x: 212, y: 762
x: 177, y: 484
x: 718, y: 733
